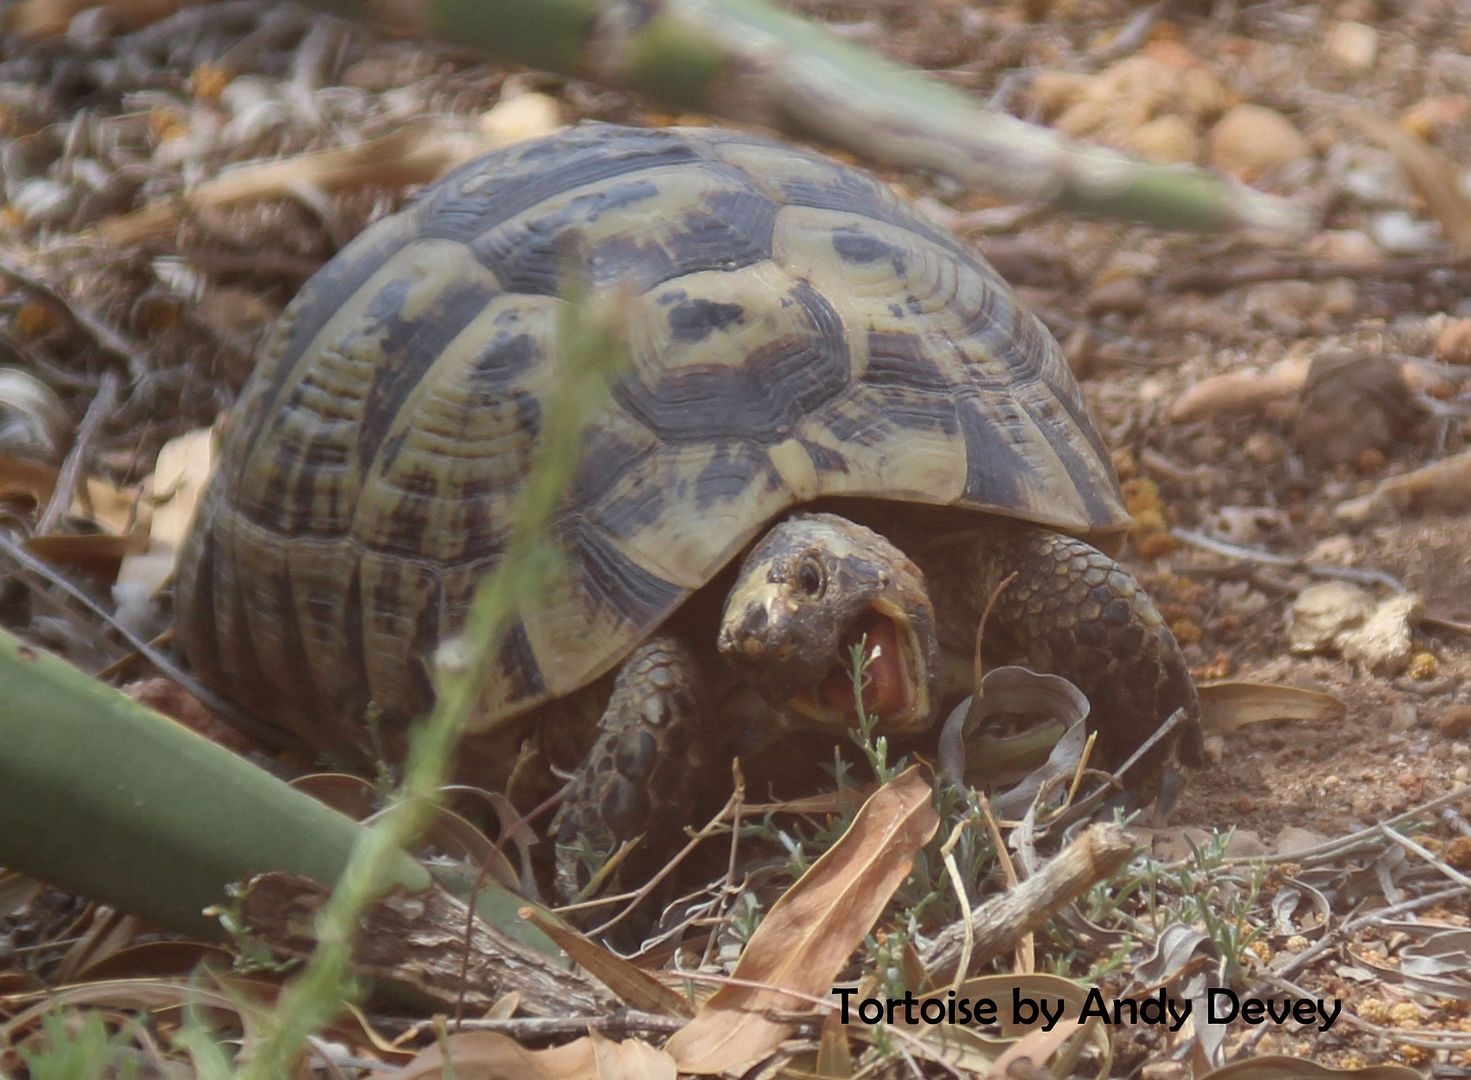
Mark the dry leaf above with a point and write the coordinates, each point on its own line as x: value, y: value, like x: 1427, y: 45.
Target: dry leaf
x: 179, y: 477
x: 488, y: 1055
x: 33, y: 421
x: 96, y: 554
x: 25, y: 484
x: 634, y: 986
x: 834, y: 1058
x: 812, y: 930
x: 1226, y: 706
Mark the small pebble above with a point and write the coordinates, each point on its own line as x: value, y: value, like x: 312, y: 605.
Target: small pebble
x: 1166, y: 140
x: 1403, y: 716
x: 1251, y: 140
x: 1351, y: 47
x: 1399, y: 232
x: 1455, y: 721
x: 1343, y: 245
x: 1126, y: 295
x: 1264, y: 448
x: 1453, y: 343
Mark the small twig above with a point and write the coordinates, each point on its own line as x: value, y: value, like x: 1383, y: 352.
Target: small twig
x: 71, y: 469
x: 979, y: 668
x: 728, y: 887
x: 467, y: 943
x: 636, y: 896
x: 998, y: 924
x: 1130, y: 38
x: 1354, y: 839
x: 624, y: 1022
x: 1434, y: 622
x: 1425, y: 853
x: 1436, y: 1040
x: 108, y: 339
x: 1230, y: 550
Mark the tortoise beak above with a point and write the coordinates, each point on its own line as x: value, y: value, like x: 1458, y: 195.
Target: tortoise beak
x: 759, y: 634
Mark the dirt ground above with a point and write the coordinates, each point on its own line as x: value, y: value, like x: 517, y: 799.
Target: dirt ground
x: 1376, y: 293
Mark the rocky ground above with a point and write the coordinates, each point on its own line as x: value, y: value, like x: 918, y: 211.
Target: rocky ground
x: 1359, y: 337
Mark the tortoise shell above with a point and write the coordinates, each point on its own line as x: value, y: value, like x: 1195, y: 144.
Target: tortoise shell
x: 798, y: 332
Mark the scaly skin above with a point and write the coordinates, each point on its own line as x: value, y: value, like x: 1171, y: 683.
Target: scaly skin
x: 656, y: 752
x: 1075, y: 612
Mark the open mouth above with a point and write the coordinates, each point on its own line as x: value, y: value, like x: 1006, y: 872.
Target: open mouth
x: 894, y: 689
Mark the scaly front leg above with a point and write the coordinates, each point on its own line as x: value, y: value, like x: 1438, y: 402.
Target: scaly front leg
x: 653, y: 767
x: 1075, y: 612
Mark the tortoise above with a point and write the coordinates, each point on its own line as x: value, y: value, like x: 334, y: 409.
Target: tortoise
x: 839, y: 424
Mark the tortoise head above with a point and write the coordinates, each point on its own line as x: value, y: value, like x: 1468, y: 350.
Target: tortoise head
x: 812, y: 589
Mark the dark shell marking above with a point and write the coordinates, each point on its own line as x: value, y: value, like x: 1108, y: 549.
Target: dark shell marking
x: 799, y: 332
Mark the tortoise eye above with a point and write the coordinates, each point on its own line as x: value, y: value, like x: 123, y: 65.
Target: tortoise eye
x: 812, y: 577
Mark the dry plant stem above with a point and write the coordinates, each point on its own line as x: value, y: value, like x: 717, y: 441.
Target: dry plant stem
x: 1424, y: 853
x: 1350, y: 840
x: 728, y: 889
x: 418, y: 153
x: 1217, y: 546
x: 71, y: 469
x: 467, y: 944
x: 1434, y: 1040
x: 998, y: 924
x: 979, y: 668
x: 621, y: 1024
x: 109, y: 339
x: 635, y: 897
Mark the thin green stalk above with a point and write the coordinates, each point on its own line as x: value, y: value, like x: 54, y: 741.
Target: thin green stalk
x: 590, y: 350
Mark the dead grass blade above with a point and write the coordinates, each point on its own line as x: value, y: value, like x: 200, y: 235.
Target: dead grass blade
x: 1226, y: 706
x: 488, y: 1055
x: 811, y: 930
x: 633, y: 985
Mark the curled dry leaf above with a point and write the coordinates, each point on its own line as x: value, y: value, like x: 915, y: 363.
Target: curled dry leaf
x: 811, y: 930
x: 1226, y: 706
x: 968, y: 756
x: 33, y: 422
x: 25, y: 485
x: 488, y: 1055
